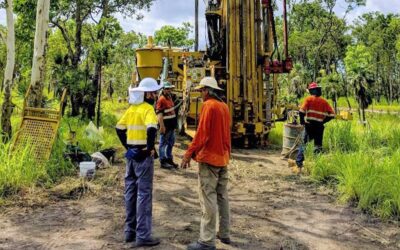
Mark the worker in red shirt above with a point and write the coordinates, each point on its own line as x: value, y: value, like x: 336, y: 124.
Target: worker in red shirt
x: 314, y: 113
x: 167, y: 121
x: 211, y: 148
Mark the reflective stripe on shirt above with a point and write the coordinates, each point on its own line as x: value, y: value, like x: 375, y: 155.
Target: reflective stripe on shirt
x: 169, y: 110
x: 169, y: 116
x: 136, y: 142
x: 136, y: 127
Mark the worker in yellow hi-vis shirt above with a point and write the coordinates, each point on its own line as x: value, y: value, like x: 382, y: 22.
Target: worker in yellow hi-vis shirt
x: 137, y: 131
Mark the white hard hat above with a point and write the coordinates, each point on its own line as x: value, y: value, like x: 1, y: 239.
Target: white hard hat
x: 148, y: 84
x: 208, y: 82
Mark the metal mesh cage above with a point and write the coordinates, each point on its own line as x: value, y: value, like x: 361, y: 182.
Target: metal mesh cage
x: 38, y: 128
x: 40, y: 134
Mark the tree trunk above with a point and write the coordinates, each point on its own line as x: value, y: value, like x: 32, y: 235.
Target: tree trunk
x: 38, y: 65
x: 94, y: 92
x: 99, y: 100
x: 7, y: 107
x: 96, y: 78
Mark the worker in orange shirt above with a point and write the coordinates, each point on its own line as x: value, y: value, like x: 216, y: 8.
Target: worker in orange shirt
x: 314, y: 113
x: 165, y: 109
x: 211, y: 148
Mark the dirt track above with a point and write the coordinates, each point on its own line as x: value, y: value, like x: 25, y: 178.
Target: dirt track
x: 271, y: 209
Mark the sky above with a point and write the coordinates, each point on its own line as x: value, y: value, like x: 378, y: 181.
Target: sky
x: 174, y: 12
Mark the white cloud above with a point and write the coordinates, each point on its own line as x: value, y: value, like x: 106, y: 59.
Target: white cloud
x: 167, y: 12
x: 3, y: 16
x: 383, y: 6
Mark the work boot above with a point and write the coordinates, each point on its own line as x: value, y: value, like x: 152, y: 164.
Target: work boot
x: 226, y: 240
x: 296, y: 169
x: 171, y: 162
x: 291, y: 163
x: 130, y: 237
x: 164, y: 164
x: 200, y: 246
x: 147, y: 243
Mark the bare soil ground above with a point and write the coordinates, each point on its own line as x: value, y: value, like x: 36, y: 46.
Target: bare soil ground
x: 271, y: 209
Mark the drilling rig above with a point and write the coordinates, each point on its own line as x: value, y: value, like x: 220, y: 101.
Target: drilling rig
x: 242, y: 54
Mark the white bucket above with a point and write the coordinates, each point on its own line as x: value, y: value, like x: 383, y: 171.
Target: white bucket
x: 87, y: 169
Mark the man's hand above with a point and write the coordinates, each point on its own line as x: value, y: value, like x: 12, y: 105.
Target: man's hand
x: 162, y: 129
x: 185, y: 163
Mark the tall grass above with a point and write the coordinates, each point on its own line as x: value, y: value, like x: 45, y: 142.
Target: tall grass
x: 363, y: 161
x: 18, y: 170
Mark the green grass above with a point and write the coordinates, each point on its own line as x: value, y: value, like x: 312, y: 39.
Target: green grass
x: 276, y: 134
x: 382, y: 105
x: 363, y: 161
x: 19, y: 172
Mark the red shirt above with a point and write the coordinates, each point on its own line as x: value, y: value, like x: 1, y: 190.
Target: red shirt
x: 212, y: 142
x: 316, y: 109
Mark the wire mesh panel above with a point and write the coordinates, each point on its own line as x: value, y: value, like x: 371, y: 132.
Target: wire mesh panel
x: 43, y: 113
x: 38, y: 129
x: 40, y: 135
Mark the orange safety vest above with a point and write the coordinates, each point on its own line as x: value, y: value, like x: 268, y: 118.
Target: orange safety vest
x: 316, y: 109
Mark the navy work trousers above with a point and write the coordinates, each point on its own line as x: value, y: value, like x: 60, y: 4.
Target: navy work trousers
x: 313, y: 132
x: 167, y: 141
x: 138, y: 197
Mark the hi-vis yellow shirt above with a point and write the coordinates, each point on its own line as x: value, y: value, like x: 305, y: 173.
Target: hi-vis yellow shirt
x: 136, y: 120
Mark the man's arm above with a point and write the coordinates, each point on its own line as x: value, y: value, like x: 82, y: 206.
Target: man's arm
x: 122, y: 137
x: 160, y: 117
x: 302, y: 120
x: 151, y: 138
x: 202, y: 133
x: 160, y: 107
x: 303, y: 111
x: 121, y: 129
x: 330, y: 112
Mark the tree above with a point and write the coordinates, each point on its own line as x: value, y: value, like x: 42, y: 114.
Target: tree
x: 81, y: 11
x: 122, y: 61
x: 379, y: 33
x: 39, y: 58
x: 3, y: 53
x: 7, y: 106
x: 358, y: 67
x: 174, y: 36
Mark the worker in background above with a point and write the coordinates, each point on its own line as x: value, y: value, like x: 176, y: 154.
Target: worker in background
x: 137, y: 130
x: 211, y: 148
x: 314, y: 113
x: 167, y: 121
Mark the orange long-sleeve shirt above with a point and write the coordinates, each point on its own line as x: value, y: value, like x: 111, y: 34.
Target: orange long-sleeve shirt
x: 316, y: 109
x: 212, y: 142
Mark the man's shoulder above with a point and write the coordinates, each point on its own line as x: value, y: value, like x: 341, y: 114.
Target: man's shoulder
x: 213, y: 104
x: 322, y: 100
x: 142, y: 107
x: 309, y: 98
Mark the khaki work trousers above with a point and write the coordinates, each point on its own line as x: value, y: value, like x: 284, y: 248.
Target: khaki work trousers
x: 213, y: 196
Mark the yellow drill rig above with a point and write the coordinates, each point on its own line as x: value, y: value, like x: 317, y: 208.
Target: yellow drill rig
x: 242, y: 54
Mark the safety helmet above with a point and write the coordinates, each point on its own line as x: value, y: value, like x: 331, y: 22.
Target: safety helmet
x: 168, y: 85
x: 208, y: 82
x: 148, y: 84
x: 313, y: 85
